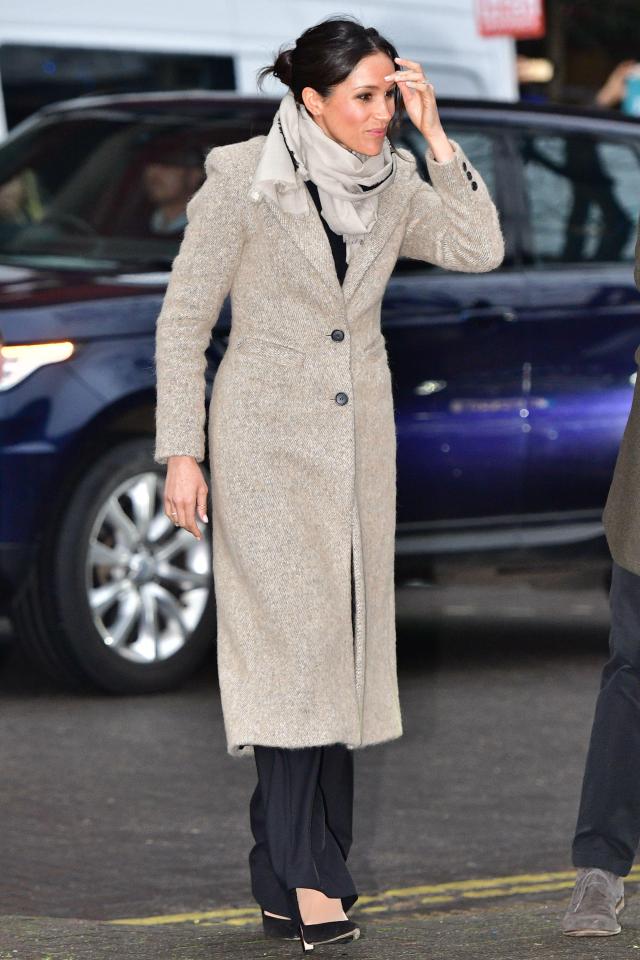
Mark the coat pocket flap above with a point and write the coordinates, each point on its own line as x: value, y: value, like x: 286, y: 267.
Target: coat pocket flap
x: 270, y: 350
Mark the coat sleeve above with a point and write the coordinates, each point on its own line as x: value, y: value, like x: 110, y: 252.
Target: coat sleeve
x: 201, y: 277
x: 453, y: 221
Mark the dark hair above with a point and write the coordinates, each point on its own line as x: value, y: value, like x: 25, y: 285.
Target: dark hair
x: 324, y: 56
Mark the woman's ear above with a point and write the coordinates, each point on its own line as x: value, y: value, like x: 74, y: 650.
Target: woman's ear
x: 312, y: 101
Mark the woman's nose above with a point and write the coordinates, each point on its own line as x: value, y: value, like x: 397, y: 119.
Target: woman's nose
x: 382, y: 117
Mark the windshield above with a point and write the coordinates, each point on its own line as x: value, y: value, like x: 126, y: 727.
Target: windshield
x: 92, y: 189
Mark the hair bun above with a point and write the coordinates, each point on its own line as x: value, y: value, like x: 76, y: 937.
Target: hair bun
x: 283, y: 67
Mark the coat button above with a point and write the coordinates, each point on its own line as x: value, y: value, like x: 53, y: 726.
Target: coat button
x: 474, y: 185
x: 342, y: 398
x: 464, y: 166
x: 337, y: 334
x: 469, y: 175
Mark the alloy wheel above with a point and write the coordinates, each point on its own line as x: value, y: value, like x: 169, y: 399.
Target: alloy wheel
x: 147, y: 580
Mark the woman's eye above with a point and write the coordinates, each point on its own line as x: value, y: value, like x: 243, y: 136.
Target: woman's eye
x: 365, y: 96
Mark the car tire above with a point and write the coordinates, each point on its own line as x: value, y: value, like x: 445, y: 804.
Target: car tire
x: 59, y: 615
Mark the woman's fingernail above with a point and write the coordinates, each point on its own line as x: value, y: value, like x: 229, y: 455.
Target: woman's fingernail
x: 205, y: 518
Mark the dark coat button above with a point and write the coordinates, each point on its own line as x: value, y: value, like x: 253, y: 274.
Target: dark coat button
x: 337, y: 334
x: 342, y: 398
x: 469, y: 175
x: 464, y: 165
x: 474, y: 185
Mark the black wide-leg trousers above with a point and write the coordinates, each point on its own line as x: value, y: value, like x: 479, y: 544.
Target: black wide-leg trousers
x: 301, y: 820
x: 301, y: 816
x: 608, y: 828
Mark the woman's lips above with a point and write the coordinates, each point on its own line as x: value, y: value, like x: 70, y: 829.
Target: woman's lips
x: 376, y: 133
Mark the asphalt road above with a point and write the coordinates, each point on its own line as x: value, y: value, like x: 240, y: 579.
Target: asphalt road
x: 129, y: 808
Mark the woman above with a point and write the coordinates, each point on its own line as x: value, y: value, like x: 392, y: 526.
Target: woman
x: 304, y: 227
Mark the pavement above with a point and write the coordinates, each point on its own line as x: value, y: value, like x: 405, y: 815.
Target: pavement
x: 125, y: 828
x: 523, y: 930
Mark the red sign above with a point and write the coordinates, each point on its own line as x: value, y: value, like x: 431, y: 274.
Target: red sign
x: 522, y: 19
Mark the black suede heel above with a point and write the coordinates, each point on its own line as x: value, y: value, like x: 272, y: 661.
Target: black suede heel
x: 337, y: 931
x: 276, y: 928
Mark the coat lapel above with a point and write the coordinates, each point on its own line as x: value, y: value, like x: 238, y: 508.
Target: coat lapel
x: 308, y: 235
x: 365, y: 253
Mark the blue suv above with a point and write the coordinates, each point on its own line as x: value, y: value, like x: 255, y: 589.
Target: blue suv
x: 511, y: 388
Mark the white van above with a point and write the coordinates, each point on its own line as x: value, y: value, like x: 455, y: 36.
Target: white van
x: 52, y: 52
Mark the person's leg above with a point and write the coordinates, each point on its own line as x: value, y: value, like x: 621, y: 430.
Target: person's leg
x: 303, y: 851
x: 608, y: 826
x: 332, y: 836
x: 265, y: 885
x: 336, y: 784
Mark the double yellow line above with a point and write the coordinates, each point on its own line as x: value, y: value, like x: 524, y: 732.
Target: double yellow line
x: 396, y: 899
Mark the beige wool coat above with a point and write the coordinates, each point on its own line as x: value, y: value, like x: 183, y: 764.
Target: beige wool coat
x: 302, y: 444
x: 621, y: 514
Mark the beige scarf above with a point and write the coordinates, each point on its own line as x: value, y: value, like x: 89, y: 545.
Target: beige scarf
x: 348, y: 182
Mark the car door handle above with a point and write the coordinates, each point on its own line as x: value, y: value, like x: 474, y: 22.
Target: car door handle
x: 484, y: 316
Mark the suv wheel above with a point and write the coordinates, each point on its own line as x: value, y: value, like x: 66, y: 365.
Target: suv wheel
x: 119, y: 595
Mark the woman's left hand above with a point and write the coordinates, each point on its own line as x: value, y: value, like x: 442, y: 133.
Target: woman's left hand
x: 420, y: 101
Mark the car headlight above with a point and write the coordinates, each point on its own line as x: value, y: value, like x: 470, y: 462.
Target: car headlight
x: 19, y: 360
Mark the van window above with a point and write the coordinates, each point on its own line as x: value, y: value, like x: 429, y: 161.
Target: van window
x: 583, y: 197
x: 34, y: 75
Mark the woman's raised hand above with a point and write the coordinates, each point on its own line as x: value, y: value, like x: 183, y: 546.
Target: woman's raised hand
x: 420, y: 103
x: 185, y: 492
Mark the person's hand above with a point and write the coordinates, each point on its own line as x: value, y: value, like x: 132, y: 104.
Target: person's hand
x: 420, y: 103
x: 612, y: 91
x: 185, y: 491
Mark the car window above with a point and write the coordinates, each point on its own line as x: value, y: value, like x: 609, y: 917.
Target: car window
x: 119, y: 197
x: 583, y: 198
x: 479, y: 146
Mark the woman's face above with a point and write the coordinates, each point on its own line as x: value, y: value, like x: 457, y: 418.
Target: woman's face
x: 357, y: 112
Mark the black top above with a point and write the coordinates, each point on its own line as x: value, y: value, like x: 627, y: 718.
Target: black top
x: 338, y: 247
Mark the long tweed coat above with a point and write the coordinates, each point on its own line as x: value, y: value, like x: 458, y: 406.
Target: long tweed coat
x: 302, y: 438
x: 621, y: 513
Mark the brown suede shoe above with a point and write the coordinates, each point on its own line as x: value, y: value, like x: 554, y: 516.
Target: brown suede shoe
x: 597, y: 899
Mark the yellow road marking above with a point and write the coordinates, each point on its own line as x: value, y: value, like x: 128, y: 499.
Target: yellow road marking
x: 525, y: 888
x: 445, y: 898
x: 226, y: 913
x: 480, y: 889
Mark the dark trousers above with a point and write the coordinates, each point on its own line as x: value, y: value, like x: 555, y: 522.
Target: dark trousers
x: 301, y: 820
x: 608, y: 828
